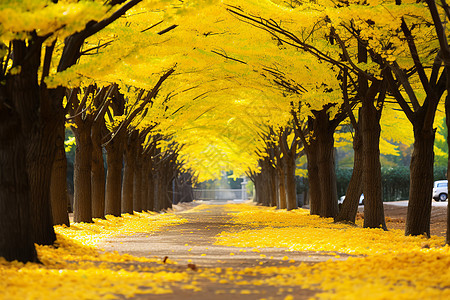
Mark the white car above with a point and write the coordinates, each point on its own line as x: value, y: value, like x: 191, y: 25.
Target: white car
x: 361, y: 199
x: 440, y: 190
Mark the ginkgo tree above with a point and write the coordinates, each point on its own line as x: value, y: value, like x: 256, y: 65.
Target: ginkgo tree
x: 370, y: 48
x: 40, y: 38
x: 29, y: 30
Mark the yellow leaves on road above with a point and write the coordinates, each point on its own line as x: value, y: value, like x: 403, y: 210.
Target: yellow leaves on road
x: 298, y: 231
x: 388, y: 264
x: 377, y: 264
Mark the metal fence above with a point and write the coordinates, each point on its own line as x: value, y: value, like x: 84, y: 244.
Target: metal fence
x: 220, y: 194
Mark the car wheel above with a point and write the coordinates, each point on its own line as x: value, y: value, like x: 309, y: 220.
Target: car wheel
x: 443, y: 197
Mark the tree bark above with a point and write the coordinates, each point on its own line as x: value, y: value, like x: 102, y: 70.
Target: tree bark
x: 98, y: 177
x: 58, y: 189
x: 139, y: 184
x: 447, y: 121
x: 114, y: 160
x: 129, y: 173
x: 82, y: 175
x: 39, y: 123
x: 157, y: 191
x: 326, y: 166
x: 266, y: 190
x: 281, y: 186
x: 313, y: 179
x: 40, y: 157
x: 148, y: 175
x: 16, y: 240
x: 373, y: 203
x: 291, y: 190
x: 354, y: 190
x: 258, y: 188
x: 421, y: 180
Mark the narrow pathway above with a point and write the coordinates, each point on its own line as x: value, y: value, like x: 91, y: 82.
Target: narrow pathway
x: 192, y: 243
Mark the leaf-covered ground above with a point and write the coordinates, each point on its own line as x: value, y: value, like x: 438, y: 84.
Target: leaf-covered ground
x: 237, y: 250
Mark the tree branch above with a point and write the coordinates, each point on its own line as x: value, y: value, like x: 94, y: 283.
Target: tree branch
x: 397, y: 95
x: 406, y: 85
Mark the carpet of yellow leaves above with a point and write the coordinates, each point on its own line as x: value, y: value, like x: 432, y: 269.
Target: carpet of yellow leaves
x: 382, y: 265
x: 386, y: 265
x: 74, y: 269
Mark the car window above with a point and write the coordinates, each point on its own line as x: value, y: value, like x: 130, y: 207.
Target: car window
x: 443, y: 184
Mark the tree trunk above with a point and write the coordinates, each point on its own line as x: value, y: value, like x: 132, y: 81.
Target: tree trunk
x: 139, y: 183
x: 355, y: 188
x: 447, y: 121
x: 148, y: 174
x: 371, y: 175
x: 157, y: 191
x: 82, y: 175
x: 130, y: 153
x: 40, y: 157
x: 421, y: 180
x: 16, y: 240
x: 313, y: 177
x: 169, y: 190
x: 281, y: 186
x: 289, y: 175
x: 58, y: 188
x: 97, y: 172
x: 270, y: 183
x: 145, y: 203
x: 39, y: 123
x: 114, y: 160
x: 257, y: 181
x: 326, y: 166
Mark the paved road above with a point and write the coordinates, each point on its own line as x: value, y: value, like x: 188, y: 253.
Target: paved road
x: 405, y: 203
x: 193, y: 243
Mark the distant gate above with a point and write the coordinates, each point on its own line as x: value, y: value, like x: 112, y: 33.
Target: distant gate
x: 220, y: 194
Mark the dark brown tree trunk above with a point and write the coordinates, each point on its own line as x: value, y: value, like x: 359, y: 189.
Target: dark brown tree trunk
x: 58, y: 189
x: 98, y: 179
x: 114, y: 161
x: 326, y: 167
x: 148, y: 174
x: 169, y: 194
x: 281, y: 186
x: 447, y: 121
x: 82, y: 175
x: 291, y: 190
x: 23, y: 97
x: 421, y: 180
x: 272, y: 184
x: 157, y: 192
x: 139, y: 184
x: 354, y: 190
x: 39, y: 124
x: 258, y: 188
x: 16, y: 240
x: 162, y: 182
x: 371, y: 176
x: 266, y: 185
x: 314, y: 190
x: 313, y: 179
x: 130, y: 165
x: 144, y: 188
x: 40, y: 157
